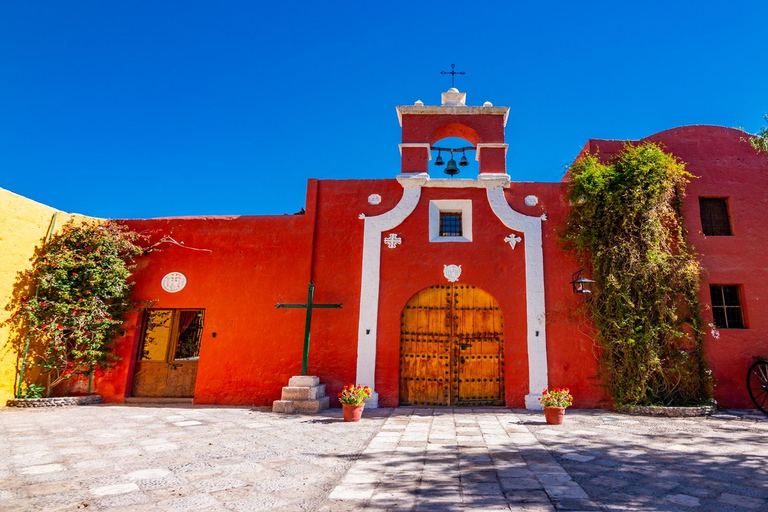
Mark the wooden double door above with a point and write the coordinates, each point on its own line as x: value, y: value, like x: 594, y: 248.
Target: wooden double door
x: 452, y: 348
x: 166, y: 365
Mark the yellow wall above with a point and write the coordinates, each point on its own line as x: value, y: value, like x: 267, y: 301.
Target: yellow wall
x: 23, y: 226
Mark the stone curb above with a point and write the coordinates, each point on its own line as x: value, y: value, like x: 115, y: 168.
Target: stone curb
x: 63, y: 401
x: 669, y: 412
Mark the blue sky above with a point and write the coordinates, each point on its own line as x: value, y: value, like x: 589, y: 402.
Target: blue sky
x: 146, y: 108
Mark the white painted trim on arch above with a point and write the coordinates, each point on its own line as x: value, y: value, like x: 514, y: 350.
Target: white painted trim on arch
x: 371, y: 278
x: 534, y: 291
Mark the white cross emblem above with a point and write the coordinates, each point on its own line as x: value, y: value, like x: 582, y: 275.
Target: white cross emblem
x: 393, y: 240
x: 512, y: 240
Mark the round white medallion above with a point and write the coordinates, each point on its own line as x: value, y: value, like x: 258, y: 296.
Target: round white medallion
x: 531, y: 200
x: 174, y: 282
x: 374, y: 199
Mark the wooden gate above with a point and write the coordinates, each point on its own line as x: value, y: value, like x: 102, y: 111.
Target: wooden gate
x: 452, y: 348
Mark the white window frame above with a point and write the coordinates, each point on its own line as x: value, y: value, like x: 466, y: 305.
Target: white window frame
x: 463, y: 206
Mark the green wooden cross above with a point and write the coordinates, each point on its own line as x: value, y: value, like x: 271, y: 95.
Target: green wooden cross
x: 308, y: 325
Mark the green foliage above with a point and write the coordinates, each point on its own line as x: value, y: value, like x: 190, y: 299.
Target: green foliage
x: 82, y: 280
x: 760, y: 141
x: 556, y: 398
x: 32, y: 391
x: 354, y: 395
x: 626, y: 225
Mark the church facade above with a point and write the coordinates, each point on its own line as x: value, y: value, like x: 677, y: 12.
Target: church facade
x: 452, y: 291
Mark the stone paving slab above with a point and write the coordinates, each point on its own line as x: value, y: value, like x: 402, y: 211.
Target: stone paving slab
x: 183, y: 457
x: 174, y: 457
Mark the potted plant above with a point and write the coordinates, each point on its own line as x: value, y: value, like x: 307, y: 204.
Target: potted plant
x: 554, y: 403
x: 352, y: 400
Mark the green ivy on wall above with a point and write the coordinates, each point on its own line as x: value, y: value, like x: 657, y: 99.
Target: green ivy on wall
x: 626, y: 226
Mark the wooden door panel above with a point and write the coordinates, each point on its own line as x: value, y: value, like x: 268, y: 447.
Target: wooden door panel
x: 181, y: 379
x: 424, y: 349
x: 150, y: 378
x: 452, y: 348
x: 479, y: 340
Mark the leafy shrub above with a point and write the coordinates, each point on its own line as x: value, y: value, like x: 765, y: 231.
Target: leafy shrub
x: 82, y: 280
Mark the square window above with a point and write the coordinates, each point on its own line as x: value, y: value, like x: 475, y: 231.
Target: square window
x: 715, y: 220
x: 450, y: 220
x: 726, y: 306
x: 450, y: 223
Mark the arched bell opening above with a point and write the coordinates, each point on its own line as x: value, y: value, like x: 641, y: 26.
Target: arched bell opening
x: 453, y: 157
x: 452, y: 348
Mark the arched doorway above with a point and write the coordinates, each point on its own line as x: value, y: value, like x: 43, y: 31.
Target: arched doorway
x: 452, y: 348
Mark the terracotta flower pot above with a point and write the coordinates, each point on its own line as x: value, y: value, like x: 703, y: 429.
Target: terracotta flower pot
x: 352, y: 412
x: 554, y: 415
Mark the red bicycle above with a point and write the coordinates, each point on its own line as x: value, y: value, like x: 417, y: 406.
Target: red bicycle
x: 757, y: 383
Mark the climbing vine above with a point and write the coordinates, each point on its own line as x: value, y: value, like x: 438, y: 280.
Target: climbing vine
x: 82, y: 281
x: 626, y: 226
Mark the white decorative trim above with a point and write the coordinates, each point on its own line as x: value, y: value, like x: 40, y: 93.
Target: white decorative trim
x: 174, y: 282
x: 463, y: 206
x: 371, y: 274
x: 484, y: 180
x: 512, y: 240
x: 374, y: 199
x: 531, y: 200
x: 416, y: 145
x: 447, y: 110
x: 534, y: 291
x: 393, y: 240
x: 452, y: 272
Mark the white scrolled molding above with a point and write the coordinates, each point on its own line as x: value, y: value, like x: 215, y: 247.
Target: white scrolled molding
x: 371, y: 274
x: 534, y: 291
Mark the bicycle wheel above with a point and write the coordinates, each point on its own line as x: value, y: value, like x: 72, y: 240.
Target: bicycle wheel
x: 757, y: 384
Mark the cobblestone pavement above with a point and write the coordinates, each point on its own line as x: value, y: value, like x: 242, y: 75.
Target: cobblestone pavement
x: 174, y: 458
x: 227, y: 458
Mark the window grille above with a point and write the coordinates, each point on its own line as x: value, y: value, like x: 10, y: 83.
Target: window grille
x: 714, y: 216
x: 450, y: 224
x: 726, y: 306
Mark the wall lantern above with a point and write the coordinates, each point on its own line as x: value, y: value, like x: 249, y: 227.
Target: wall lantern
x: 580, y: 283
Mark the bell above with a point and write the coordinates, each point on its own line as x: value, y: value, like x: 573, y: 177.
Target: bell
x: 439, y: 159
x: 463, y: 162
x: 451, y: 169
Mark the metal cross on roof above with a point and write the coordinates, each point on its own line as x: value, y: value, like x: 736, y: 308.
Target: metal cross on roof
x: 453, y: 73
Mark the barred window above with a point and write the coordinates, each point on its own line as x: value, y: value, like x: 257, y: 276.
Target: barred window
x: 715, y: 220
x: 450, y: 223
x: 726, y: 306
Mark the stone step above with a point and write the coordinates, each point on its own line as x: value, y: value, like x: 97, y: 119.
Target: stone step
x: 303, y: 381
x: 303, y: 393
x: 156, y: 400
x: 307, y: 406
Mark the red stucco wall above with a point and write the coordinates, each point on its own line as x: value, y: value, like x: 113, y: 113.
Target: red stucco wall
x: 256, y: 262
x: 725, y: 165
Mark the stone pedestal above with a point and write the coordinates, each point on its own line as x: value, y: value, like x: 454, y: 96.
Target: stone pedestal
x: 304, y: 393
